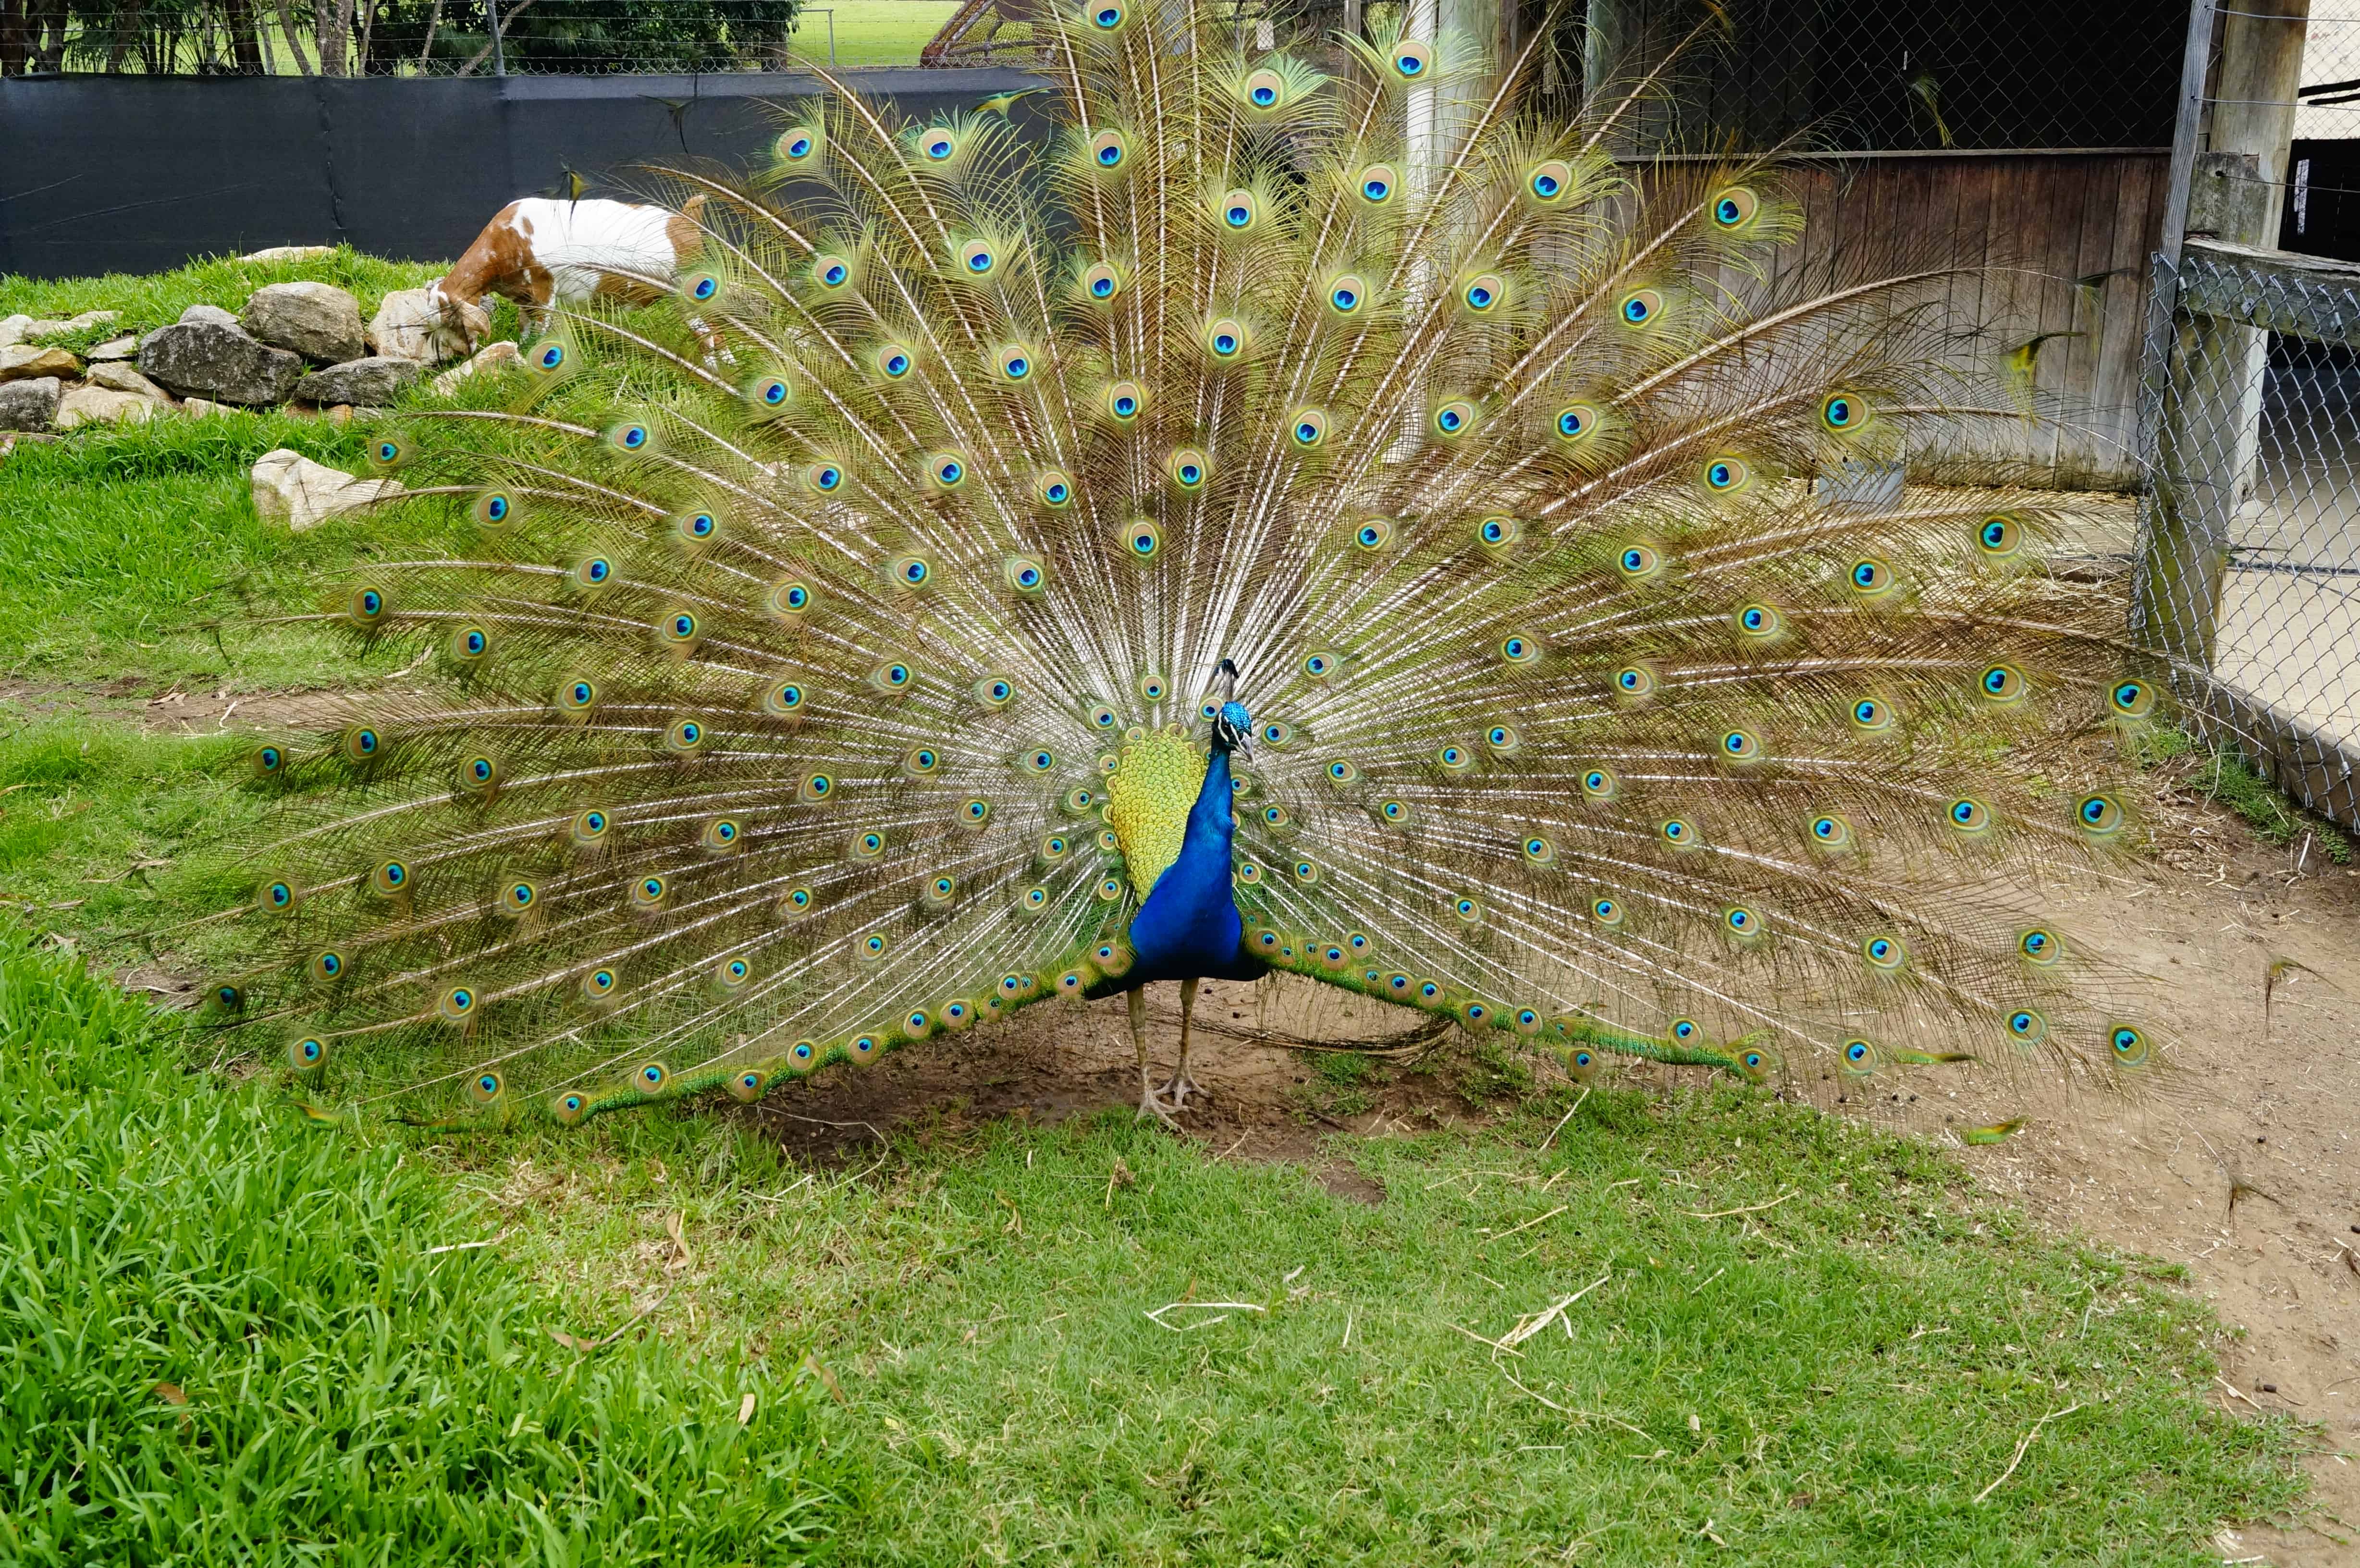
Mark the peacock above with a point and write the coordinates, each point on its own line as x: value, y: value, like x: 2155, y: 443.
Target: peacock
x: 1311, y: 517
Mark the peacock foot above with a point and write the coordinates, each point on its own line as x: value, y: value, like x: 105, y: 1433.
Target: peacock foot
x: 1179, y: 1090
x: 1149, y: 1105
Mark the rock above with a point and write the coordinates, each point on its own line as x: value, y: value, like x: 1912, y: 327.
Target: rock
x: 35, y: 331
x: 100, y: 405
x: 290, y: 487
x: 288, y: 252
x: 492, y: 357
x: 377, y: 381
x: 205, y: 408
x: 117, y: 377
x: 34, y: 328
x: 318, y: 321
x: 123, y: 347
x: 213, y: 315
x: 26, y: 362
x: 407, y: 326
x: 218, y: 361
x: 30, y: 405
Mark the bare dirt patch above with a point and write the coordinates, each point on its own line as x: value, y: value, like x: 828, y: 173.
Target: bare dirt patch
x: 1264, y: 1097
x: 206, y: 708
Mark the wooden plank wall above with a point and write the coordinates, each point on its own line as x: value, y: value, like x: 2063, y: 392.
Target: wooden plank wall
x: 2059, y: 242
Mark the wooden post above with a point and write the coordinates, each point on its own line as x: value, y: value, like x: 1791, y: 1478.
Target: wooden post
x: 2212, y: 397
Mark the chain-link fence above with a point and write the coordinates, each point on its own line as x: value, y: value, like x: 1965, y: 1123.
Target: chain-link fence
x: 455, y: 38
x: 1832, y: 74
x: 2249, y: 570
x: 1841, y: 76
x: 2249, y: 574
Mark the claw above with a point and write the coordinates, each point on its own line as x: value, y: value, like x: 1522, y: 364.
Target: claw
x: 1149, y: 1105
x: 1179, y: 1090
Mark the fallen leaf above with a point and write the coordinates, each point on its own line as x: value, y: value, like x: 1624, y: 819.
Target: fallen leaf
x: 818, y: 1368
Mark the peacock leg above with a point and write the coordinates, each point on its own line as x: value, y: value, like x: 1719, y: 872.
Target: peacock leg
x: 1148, y: 1104
x: 1181, y: 1085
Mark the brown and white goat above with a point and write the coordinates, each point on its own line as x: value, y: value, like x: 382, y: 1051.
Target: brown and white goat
x: 541, y: 252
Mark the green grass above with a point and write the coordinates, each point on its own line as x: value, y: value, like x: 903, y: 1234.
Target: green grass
x: 1859, y: 1360
x: 134, y: 554
x: 156, y: 300
x: 225, y: 1339
x: 121, y: 549
x: 874, y: 32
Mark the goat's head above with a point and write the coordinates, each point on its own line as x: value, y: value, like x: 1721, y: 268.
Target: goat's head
x: 469, y: 322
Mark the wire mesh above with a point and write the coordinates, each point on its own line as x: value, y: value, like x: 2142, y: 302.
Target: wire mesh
x: 1825, y: 74
x: 2249, y: 547
x: 1844, y: 77
x: 454, y: 37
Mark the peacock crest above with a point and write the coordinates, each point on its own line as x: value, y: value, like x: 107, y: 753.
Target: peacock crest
x: 1341, y: 507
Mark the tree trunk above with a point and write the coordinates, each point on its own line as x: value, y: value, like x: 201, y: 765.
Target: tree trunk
x: 119, y: 38
x: 332, y: 23
x: 245, y: 48
x: 16, y: 36
x: 46, y: 33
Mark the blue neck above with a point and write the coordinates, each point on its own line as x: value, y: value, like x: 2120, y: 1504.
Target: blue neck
x: 1190, y: 926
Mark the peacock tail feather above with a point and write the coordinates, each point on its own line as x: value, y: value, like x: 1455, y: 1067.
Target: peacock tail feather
x: 826, y: 655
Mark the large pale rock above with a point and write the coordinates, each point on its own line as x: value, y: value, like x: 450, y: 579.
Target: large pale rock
x: 205, y: 408
x: 407, y: 326
x: 123, y: 347
x: 219, y: 362
x: 318, y: 321
x: 212, y: 315
x: 491, y: 357
x: 374, y: 382
x: 88, y: 318
x: 35, y: 329
x: 28, y: 405
x: 26, y: 361
x: 102, y: 405
x: 289, y: 486
x: 117, y: 377
x: 288, y: 252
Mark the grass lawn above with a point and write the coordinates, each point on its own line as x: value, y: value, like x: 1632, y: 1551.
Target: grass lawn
x: 232, y: 1336
x: 872, y: 32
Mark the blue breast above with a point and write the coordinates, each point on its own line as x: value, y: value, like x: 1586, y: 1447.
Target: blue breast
x: 1190, y: 926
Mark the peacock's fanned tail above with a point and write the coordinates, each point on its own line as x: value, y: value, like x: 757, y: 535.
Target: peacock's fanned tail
x: 815, y: 647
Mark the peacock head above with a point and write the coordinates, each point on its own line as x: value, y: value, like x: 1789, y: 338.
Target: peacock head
x: 1231, y: 722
